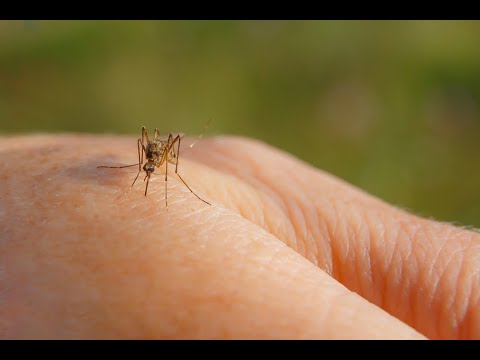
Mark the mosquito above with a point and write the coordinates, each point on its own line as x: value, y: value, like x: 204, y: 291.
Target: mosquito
x: 159, y: 151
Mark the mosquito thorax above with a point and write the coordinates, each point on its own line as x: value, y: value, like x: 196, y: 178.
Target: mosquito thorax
x: 154, y: 150
x: 149, y: 151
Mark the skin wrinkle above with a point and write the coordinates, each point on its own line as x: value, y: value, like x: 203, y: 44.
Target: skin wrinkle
x: 393, y: 271
x: 412, y: 258
x: 466, y: 320
x: 291, y: 214
x: 357, y: 254
x: 369, y: 258
x: 308, y: 230
x: 425, y: 297
x: 472, y: 294
x: 307, y: 233
x: 450, y: 312
x: 367, y: 269
x: 248, y: 210
x: 353, y: 275
x: 398, y: 299
x: 300, y: 217
x: 474, y: 326
x: 277, y: 223
x: 324, y: 249
x: 454, y: 276
x: 341, y: 236
x: 332, y: 226
x: 378, y: 283
x: 314, y: 253
x: 316, y: 248
x: 446, y: 274
x: 411, y: 262
x: 361, y: 249
x: 394, y: 281
x: 460, y: 298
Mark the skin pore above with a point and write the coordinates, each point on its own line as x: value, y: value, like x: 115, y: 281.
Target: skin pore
x: 286, y: 251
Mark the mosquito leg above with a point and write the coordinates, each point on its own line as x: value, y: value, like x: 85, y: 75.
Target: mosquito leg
x: 166, y: 169
x: 136, y: 177
x: 166, y: 180
x: 178, y: 155
x: 140, y: 158
x: 176, y: 170
x: 116, y: 167
x: 140, y: 150
x: 144, y: 135
x: 140, y: 162
x: 146, y: 187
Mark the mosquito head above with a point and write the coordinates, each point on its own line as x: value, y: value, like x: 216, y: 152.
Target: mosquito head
x: 149, y: 168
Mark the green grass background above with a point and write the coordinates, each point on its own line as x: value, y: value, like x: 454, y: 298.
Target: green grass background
x: 390, y: 106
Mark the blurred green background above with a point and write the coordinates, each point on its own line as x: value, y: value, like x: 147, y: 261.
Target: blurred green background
x: 390, y: 106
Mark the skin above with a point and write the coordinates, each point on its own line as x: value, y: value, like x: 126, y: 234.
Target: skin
x: 286, y: 251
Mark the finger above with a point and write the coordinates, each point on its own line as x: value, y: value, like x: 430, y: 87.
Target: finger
x: 77, y: 263
x: 423, y: 272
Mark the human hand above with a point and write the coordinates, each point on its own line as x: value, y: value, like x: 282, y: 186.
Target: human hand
x: 273, y: 257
